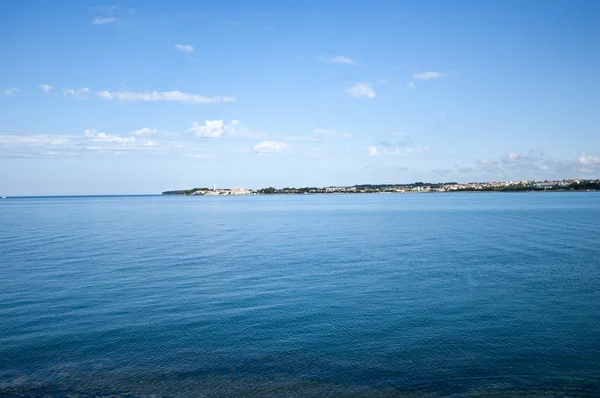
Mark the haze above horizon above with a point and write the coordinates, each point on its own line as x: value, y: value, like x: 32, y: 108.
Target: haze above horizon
x: 140, y: 97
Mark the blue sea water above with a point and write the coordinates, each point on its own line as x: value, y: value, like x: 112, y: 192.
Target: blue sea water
x: 342, y: 295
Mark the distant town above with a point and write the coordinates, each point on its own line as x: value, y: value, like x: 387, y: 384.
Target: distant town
x: 503, y: 186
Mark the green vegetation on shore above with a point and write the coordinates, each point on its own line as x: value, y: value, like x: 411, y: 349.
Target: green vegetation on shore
x: 184, y: 191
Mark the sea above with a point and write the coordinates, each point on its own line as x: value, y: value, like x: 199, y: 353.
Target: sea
x: 416, y: 295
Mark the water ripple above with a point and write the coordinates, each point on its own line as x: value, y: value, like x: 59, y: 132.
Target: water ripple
x: 358, y: 295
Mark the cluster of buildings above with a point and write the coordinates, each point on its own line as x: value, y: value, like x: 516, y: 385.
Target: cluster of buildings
x: 221, y: 192
x: 566, y: 184
x: 509, y: 185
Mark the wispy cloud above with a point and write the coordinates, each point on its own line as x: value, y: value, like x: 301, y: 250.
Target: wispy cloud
x: 384, y: 150
x: 535, y: 165
x: 588, y: 160
x: 11, y: 91
x: 403, y: 140
x: 144, y: 131
x: 463, y: 169
x: 402, y: 146
x: 46, y: 88
x: 266, y: 147
x: 153, y: 96
x: 94, y: 136
x: 328, y: 134
x: 210, y: 128
x: 321, y: 135
x: 103, y: 20
x: 105, y: 95
x: 410, y: 85
x: 454, y: 170
x: 91, y: 141
x: 218, y: 128
x: 186, y: 48
x: 109, y: 9
x: 361, y: 90
x: 81, y: 93
x: 428, y: 75
x: 144, y: 141
x: 372, y: 151
x: 338, y: 59
x: 201, y: 155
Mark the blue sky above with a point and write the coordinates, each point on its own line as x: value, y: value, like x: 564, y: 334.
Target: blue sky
x: 146, y: 96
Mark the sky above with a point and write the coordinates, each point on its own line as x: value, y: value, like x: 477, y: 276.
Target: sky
x: 133, y: 97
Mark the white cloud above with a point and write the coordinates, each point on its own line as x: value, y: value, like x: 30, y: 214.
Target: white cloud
x: 339, y: 59
x: 400, y: 147
x: 418, y: 149
x: 91, y: 141
x: 305, y: 138
x: 210, y: 129
x: 361, y: 90
x: 46, y: 87
x: 428, y: 75
x: 238, y: 130
x: 81, y: 93
x: 143, y: 141
x: 103, y: 137
x: 11, y: 91
x: 144, y: 131
x: 101, y: 21
x: 186, y: 48
x: 200, y: 155
x: 108, y: 9
x: 535, y: 165
x: 372, y: 151
x: 59, y: 141
x: 586, y: 159
x: 218, y: 128
x: 532, y: 159
x: 410, y: 85
x: 104, y: 95
x: 270, y: 147
x: 178, y: 96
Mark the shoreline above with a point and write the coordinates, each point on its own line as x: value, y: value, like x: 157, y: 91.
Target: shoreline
x: 385, y: 193
x: 564, y: 185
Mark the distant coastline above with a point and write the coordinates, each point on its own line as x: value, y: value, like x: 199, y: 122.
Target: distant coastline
x: 504, y: 186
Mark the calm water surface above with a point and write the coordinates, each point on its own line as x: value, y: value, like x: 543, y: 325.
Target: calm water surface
x: 374, y: 295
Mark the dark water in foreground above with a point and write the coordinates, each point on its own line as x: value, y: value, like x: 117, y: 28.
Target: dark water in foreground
x: 375, y: 295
